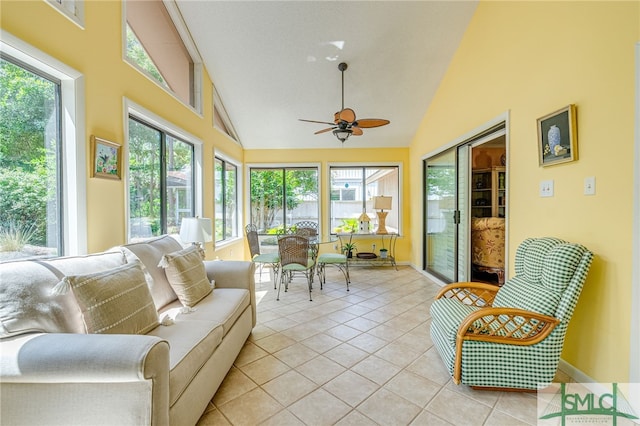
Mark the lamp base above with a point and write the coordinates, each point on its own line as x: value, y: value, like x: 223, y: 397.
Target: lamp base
x: 382, y: 217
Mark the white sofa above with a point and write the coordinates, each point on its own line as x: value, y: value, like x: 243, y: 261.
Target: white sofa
x: 53, y: 372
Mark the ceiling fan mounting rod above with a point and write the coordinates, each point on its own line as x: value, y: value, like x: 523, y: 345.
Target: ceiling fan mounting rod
x: 342, y: 66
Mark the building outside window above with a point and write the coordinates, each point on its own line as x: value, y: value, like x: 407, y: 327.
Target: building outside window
x: 31, y: 207
x: 352, y: 191
x: 161, y: 181
x: 226, y: 199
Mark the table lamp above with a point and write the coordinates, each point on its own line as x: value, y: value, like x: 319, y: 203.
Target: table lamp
x: 196, y: 230
x: 382, y: 203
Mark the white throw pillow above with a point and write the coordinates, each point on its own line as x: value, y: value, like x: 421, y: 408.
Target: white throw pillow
x: 186, y: 274
x: 115, y: 301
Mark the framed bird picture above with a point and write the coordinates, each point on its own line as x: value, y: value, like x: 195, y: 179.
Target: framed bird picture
x: 105, y: 157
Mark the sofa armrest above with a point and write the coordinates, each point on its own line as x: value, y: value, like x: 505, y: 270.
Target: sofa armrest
x: 44, y: 365
x: 234, y: 274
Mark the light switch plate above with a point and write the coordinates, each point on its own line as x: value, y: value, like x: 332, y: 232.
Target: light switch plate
x: 590, y: 185
x: 546, y: 188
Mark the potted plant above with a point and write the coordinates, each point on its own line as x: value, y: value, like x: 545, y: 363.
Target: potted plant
x: 383, y: 253
x: 348, y: 248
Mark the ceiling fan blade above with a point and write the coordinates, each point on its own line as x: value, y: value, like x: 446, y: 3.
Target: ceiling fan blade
x: 367, y: 123
x: 324, y: 130
x: 313, y: 121
x: 356, y: 131
x: 348, y: 115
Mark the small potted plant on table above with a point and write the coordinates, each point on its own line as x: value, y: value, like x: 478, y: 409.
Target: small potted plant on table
x: 348, y: 248
x: 383, y: 253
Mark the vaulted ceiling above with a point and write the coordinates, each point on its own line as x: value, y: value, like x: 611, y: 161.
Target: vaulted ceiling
x: 274, y: 62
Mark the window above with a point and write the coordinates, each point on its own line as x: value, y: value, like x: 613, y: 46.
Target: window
x: 161, y: 181
x: 30, y: 158
x: 157, y: 43
x: 42, y: 162
x: 352, y: 191
x: 226, y: 199
x: 221, y: 120
x: 282, y: 196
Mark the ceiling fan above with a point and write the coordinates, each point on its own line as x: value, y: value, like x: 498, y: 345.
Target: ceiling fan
x: 344, y: 121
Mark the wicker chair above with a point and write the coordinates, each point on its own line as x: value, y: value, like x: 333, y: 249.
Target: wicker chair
x: 511, y: 337
x: 271, y: 259
x: 307, y: 227
x: 294, y: 257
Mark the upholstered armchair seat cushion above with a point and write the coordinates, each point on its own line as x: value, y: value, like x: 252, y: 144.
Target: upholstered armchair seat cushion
x: 448, y: 314
x: 488, y: 241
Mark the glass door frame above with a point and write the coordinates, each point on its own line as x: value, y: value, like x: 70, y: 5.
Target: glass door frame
x: 491, y: 130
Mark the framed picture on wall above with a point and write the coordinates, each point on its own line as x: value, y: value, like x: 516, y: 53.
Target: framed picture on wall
x: 557, y: 137
x: 105, y: 159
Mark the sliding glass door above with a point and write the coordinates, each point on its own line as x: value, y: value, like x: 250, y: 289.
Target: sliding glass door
x: 440, y: 226
x: 447, y: 206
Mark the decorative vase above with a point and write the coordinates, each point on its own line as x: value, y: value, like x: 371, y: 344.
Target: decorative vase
x: 554, y: 139
x: 383, y: 254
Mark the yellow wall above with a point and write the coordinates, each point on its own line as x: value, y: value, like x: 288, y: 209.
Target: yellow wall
x: 524, y: 58
x: 350, y: 156
x: 530, y: 59
x: 96, y: 52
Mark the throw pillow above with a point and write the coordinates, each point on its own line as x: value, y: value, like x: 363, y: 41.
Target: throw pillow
x: 186, y: 274
x: 115, y: 301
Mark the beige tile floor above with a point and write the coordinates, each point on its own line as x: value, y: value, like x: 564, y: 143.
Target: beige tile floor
x: 362, y: 357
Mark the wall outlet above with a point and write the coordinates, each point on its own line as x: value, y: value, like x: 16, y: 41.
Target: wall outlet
x: 590, y: 185
x: 546, y: 188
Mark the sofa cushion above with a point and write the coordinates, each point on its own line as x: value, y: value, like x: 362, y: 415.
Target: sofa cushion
x: 186, y: 275
x: 26, y: 302
x: 191, y: 344
x: 223, y: 306
x: 149, y: 252
x: 116, y: 301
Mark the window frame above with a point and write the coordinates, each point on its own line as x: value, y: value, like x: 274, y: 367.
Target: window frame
x: 147, y: 117
x: 218, y: 155
x: 73, y: 183
x: 366, y: 165
x: 190, y: 46
x: 71, y: 9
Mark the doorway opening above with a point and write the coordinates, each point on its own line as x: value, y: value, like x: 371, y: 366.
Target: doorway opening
x: 488, y: 211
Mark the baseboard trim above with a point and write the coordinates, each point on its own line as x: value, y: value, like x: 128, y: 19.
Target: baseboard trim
x: 577, y: 375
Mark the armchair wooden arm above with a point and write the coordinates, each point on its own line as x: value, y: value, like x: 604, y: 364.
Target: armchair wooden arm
x: 470, y: 293
x: 508, y: 326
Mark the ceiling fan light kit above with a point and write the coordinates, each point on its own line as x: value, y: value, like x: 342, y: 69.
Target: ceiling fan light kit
x: 344, y: 121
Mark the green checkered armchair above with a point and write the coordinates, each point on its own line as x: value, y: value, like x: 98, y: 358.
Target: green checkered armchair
x: 512, y: 336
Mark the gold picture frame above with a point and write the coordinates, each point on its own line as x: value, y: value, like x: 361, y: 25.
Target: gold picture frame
x: 557, y: 137
x: 105, y: 159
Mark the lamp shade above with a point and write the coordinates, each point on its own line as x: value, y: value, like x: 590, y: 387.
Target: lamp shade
x: 195, y: 230
x: 382, y: 203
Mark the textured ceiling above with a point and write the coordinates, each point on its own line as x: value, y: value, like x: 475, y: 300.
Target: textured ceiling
x: 274, y: 62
